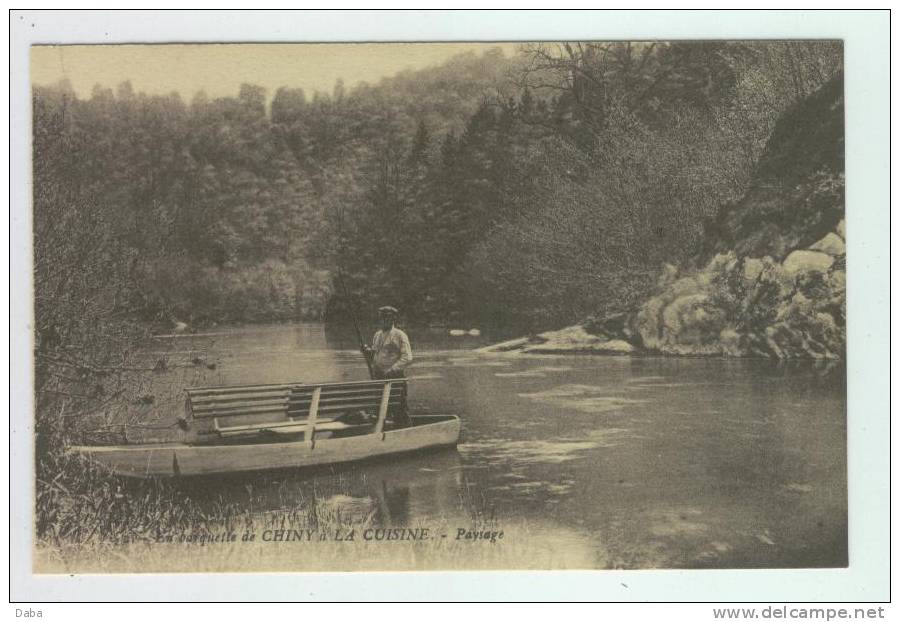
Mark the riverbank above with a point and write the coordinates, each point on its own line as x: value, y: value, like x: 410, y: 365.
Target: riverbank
x: 755, y: 307
x: 93, y: 521
x: 554, y: 453
x: 570, y: 340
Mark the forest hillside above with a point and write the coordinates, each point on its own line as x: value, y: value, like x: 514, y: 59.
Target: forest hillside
x: 528, y: 192
x: 770, y: 278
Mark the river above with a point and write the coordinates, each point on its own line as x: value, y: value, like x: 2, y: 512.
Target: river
x: 607, y: 461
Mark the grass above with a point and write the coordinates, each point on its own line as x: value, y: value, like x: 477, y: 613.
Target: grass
x: 88, y: 520
x: 94, y: 522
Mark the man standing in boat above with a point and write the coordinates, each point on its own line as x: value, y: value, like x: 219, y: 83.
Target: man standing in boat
x: 390, y: 355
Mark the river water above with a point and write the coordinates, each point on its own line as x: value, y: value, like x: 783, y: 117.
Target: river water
x: 610, y: 462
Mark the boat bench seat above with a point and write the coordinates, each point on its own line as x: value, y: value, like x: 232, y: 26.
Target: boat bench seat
x: 227, y: 412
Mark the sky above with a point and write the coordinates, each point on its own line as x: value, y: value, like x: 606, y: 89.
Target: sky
x: 220, y: 69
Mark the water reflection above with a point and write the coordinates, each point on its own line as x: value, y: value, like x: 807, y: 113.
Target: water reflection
x: 642, y: 462
x: 385, y: 492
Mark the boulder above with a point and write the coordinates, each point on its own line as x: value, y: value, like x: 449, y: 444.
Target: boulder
x: 572, y: 339
x: 831, y: 244
x: 616, y: 346
x: 816, y: 339
x: 647, y: 323
x: 752, y: 269
x: 672, y: 315
x: 837, y: 281
x: 692, y: 321
x: 569, y: 339
x: 687, y: 286
x: 506, y: 346
x: 776, y: 275
x: 841, y: 231
x: 806, y: 261
x: 803, y: 330
x: 598, y: 346
x: 721, y: 263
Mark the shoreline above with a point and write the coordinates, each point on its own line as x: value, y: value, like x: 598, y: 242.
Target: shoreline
x: 566, y: 342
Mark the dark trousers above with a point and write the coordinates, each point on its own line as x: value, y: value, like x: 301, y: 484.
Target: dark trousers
x: 401, y: 415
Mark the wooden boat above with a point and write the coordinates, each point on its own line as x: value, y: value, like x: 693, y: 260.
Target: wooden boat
x: 259, y: 427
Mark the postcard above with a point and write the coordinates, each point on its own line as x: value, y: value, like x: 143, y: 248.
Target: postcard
x: 544, y: 304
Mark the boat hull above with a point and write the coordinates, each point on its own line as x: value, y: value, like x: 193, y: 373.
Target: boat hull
x: 176, y: 459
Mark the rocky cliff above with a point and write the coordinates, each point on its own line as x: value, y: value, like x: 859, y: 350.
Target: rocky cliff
x: 770, y: 280
x: 796, y: 195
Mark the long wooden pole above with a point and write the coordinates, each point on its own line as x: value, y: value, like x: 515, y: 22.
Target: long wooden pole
x: 359, y: 337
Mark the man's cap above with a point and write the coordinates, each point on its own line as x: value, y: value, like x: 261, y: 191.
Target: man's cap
x: 388, y: 310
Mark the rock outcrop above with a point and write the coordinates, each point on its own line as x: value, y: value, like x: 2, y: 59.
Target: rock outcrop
x: 770, y: 279
x: 751, y: 307
x: 796, y: 195
x: 570, y: 340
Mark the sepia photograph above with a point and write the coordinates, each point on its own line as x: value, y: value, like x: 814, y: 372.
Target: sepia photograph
x: 427, y: 306
x: 543, y: 305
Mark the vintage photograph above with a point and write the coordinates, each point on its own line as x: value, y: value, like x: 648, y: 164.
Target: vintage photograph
x: 439, y: 306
